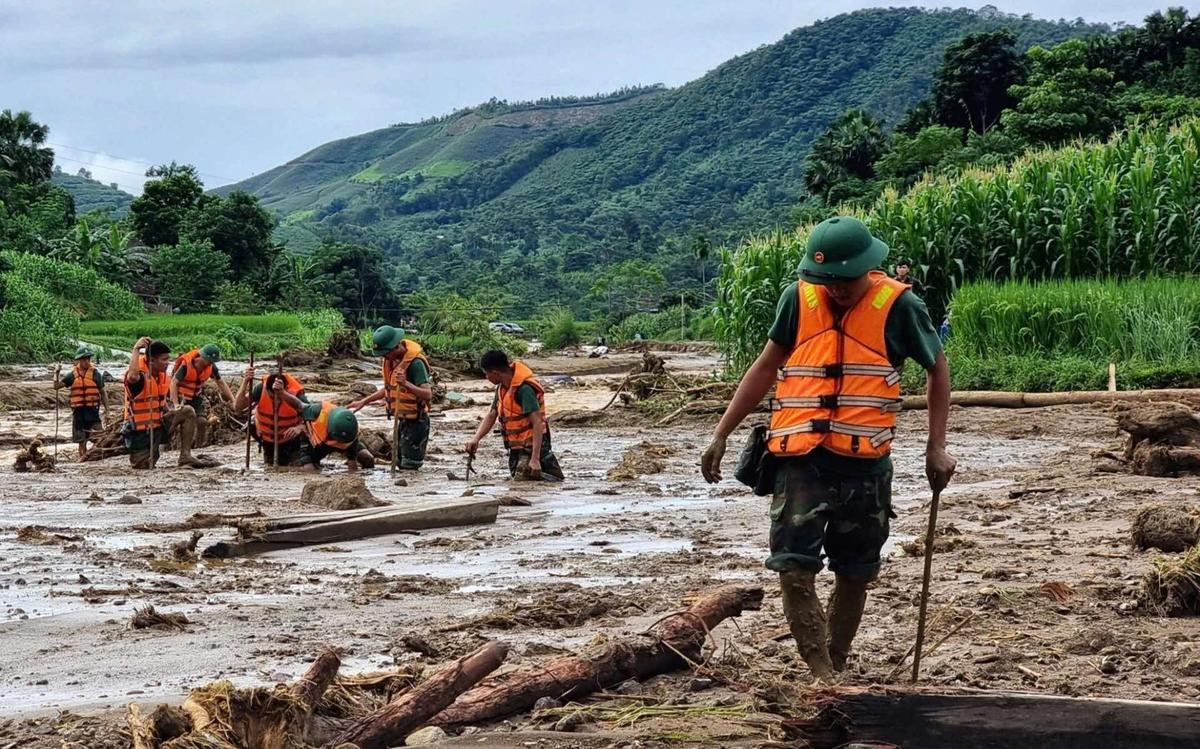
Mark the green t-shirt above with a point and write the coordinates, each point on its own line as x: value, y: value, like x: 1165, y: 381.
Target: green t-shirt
x: 311, y: 412
x: 526, y: 398
x: 181, y: 371
x: 69, y: 378
x: 908, y: 333
x: 256, y: 394
x: 417, y: 373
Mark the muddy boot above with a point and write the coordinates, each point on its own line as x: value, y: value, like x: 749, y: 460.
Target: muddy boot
x: 184, y: 422
x: 806, y: 620
x: 845, y: 612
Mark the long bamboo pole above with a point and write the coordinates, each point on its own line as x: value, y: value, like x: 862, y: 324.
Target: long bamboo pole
x: 249, y: 412
x: 930, y: 534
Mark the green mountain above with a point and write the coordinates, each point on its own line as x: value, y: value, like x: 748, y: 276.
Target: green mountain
x: 91, y: 195
x: 542, y: 215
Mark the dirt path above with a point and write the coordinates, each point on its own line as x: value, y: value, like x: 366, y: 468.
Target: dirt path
x: 590, y: 555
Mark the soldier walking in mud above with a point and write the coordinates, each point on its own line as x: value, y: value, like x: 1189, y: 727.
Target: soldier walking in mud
x: 840, y: 337
x: 520, y: 407
x: 86, y: 385
x: 149, y: 420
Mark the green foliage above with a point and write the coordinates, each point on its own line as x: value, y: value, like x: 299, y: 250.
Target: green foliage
x: 912, y: 155
x: 627, y: 287
x: 847, y: 150
x: 1150, y: 320
x: 1064, y: 98
x: 167, y: 199
x: 752, y: 278
x: 105, y: 248
x: 188, y: 274
x: 237, y: 298
x: 237, y: 335
x: 91, y: 195
x: 237, y: 226
x: 81, y: 291
x: 355, y: 279
x: 23, y: 151
x: 544, y: 210
x: 972, y: 87
x: 557, y: 329
x: 451, y: 324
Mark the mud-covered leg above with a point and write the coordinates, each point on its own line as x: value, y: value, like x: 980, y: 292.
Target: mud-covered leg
x: 846, y: 605
x: 802, y: 607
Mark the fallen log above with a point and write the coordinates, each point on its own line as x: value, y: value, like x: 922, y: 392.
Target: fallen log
x: 389, y: 725
x: 670, y: 644
x: 271, y: 534
x: 1002, y: 399
x: 931, y: 720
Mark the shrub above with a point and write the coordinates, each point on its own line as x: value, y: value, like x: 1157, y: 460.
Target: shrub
x: 237, y: 299
x: 187, y: 275
x: 557, y: 329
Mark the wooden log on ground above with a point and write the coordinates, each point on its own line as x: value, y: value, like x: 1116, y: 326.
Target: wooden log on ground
x: 990, y: 720
x: 141, y: 730
x: 282, y: 533
x: 669, y: 645
x: 316, y: 680
x: 1001, y: 399
x: 392, y: 723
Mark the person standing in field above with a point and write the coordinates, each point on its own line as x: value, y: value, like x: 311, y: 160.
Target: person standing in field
x: 149, y: 420
x: 841, y: 335
x: 407, y: 390
x: 904, y: 276
x: 325, y: 429
x: 267, y: 420
x: 86, y: 384
x: 192, y: 370
x: 520, y: 406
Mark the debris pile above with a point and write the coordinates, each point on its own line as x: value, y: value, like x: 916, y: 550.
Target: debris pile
x: 339, y: 493
x: 642, y: 458
x: 1172, y: 586
x: 147, y: 617
x: 1166, y: 528
x: 33, y: 459
x: 344, y: 344
x: 1164, y: 439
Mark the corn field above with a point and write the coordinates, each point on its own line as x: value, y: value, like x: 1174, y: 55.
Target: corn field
x: 1126, y: 208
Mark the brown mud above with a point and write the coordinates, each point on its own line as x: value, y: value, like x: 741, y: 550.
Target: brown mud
x: 1049, y: 596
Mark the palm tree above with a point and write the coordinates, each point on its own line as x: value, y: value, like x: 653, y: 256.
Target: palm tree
x: 22, y: 144
x: 701, y: 249
x: 848, y: 149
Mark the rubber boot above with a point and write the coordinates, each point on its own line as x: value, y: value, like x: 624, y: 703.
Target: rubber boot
x: 185, y: 422
x: 807, y: 621
x: 846, y: 605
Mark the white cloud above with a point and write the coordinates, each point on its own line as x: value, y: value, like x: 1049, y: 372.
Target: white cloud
x: 128, y: 174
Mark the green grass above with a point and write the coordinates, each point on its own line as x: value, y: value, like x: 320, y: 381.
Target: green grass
x: 444, y: 168
x: 369, y: 175
x: 296, y: 217
x: 236, y: 335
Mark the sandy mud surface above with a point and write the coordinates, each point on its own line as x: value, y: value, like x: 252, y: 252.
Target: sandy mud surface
x: 1035, y: 589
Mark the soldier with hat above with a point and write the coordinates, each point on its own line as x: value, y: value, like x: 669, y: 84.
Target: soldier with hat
x: 86, y: 384
x: 841, y: 334
x: 407, y: 390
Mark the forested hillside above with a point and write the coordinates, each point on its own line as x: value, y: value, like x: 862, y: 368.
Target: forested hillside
x: 644, y: 191
x: 92, y: 195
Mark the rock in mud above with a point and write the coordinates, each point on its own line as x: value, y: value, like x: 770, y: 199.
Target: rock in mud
x: 427, y: 735
x: 640, y: 459
x: 129, y: 499
x: 340, y: 493
x: 1166, y: 528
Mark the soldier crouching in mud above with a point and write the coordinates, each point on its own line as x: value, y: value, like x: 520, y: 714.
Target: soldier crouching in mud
x: 834, y: 354
x: 149, y: 420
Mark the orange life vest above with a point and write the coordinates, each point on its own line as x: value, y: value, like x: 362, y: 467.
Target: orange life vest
x: 85, y: 390
x: 196, y: 374
x: 318, y: 431
x: 838, y: 390
x: 400, y: 402
x: 516, y: 425
x: 145, y: 410
x: 266, y: 418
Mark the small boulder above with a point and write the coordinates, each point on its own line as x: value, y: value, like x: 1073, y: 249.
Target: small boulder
x: 340, y: 493
x: 427, y: 735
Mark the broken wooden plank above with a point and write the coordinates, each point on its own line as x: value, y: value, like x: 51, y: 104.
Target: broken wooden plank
x: 355, y: 524
x: 1004, y: 720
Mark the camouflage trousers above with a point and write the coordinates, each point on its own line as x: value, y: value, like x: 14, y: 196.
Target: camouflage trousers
x: 818, y: 514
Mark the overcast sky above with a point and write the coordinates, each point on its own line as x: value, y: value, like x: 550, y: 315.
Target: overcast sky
x: 237, y: 87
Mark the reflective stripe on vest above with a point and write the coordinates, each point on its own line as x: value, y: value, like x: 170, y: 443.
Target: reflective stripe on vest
x: 146, y: 409
x: 195, y: 376
x: 265, y: 418
x: 399, y: 400
x: 85, y: 392
x: 838, y: 390
x: 516, y: 425
x: 318, y: 431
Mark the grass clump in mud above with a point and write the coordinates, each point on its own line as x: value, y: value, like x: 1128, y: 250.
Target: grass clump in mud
x: 147, y: 617
x: 1166, y: 528
x: 1172, y: 586
x: 640, y: 459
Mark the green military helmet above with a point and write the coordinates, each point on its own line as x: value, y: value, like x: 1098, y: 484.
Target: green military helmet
x: 211, y: 353
x: 841, y: 249
x: 83, y: 352
x: 343, y: 425
x: 385, y: 339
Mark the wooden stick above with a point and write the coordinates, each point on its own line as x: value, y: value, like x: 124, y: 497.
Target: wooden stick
x: 250, y: 413
x: 57, y: 374
x: 395, y: 442
x: 275, y: 426
x: 1001, y: 399
x: 929, y: 538
x: 1112, y: 377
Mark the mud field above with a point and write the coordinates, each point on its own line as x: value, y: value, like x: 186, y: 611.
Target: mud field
x: 1036, y: 586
